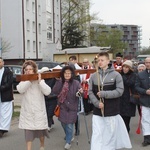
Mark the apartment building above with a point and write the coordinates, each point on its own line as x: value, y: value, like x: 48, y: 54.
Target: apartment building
x: 30, y: 29
x: 131, y: 36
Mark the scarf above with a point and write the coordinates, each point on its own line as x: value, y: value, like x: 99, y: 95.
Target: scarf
x: 63, y: 94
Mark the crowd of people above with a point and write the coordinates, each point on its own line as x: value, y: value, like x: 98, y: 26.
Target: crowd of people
x: 106, y: 93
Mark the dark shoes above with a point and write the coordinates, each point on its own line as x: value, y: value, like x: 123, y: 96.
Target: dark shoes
x: 145, y: 143
x: 77, y: 133
x: 146, y: 140
x: 2, y: 133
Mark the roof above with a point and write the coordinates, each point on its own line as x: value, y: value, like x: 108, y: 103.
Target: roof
x: 93, y: 49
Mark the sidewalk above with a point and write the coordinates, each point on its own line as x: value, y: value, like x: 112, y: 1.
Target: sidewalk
x: 17, y: 102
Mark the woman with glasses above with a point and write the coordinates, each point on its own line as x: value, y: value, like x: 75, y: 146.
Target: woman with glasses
x: 68, y: 90
x: 33, y: 116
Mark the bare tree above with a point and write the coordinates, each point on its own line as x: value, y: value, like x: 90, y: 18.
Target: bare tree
x: 6, y: 45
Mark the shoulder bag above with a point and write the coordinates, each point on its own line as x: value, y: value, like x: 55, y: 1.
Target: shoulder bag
x: 57, y: 111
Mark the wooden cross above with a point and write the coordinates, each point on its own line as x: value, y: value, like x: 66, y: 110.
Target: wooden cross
x: 54, y: 74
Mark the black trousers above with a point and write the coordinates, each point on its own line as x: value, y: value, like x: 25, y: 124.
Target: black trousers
x: 77, y: 126
x: 126, y: 120
x: 147, y: 138
x: 86, y: 105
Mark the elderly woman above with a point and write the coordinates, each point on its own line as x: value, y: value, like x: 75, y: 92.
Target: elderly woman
x: 67, y: 88
x: 33, y: 117
x: 127, y: 109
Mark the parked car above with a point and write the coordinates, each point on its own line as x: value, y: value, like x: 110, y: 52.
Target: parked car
x: 48, y: 64
x: 16, y: 69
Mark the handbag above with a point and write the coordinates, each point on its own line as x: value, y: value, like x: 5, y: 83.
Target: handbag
x: 57, y: 111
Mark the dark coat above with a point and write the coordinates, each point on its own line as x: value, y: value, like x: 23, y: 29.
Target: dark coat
x: 126, y: 107
x: 51, y: 99
x: 6, y: 87
x: 143, y: 84
x: 69, y: 108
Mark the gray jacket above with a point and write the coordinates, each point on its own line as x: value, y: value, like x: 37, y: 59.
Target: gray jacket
x: 112, y: 90
x: 142, y: 84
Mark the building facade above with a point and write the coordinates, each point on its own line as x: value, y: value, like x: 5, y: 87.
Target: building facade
x: 30, y: 29
x: 131, y: 36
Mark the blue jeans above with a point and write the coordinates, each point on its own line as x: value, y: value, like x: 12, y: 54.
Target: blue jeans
x: 68, y: 128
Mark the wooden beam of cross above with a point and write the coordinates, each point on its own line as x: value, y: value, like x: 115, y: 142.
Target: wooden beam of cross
x: 54, y: 74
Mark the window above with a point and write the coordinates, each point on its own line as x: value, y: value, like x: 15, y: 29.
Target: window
x: 49, y: 29
x: 134, y: 28
x: 131, y: 45
x: 16, y: 70
x: 28, y: 25
x: 39, y: 10
x: 28, y: 45
x: 126, y: 32
x: 57, y: 4
x: 125, y: 36
x: 124, y: 28
x: 34, y: 46
x: 49, y: 36
x: 58, y: 19
x: 39, y: 28
x: 33, y: 26
x: 33, y: 7
x: 27, y: 4
x: 40, y: 46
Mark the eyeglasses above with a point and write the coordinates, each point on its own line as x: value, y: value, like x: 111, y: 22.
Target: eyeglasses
x: 28, y: 69
x: 67, y: 73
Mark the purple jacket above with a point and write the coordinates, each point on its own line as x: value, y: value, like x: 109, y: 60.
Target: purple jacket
x: 68, y: 109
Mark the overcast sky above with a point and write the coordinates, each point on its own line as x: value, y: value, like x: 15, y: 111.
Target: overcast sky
x: 132, y: 12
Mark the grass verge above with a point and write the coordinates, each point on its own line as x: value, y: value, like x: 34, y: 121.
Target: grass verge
x: 16, y: 114
x: 16, y: 111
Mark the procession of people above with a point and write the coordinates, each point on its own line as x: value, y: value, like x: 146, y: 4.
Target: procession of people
x: 106, y: 94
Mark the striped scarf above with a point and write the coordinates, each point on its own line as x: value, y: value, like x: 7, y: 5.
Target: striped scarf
x: 63, y: 94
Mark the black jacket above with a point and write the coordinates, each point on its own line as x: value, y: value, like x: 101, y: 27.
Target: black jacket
x: 126, y: 107
x: 51, y: 99
x: 142, y: 84
x: 6, y: 87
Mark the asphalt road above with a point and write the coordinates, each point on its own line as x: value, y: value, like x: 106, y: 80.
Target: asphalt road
x: 14, y: 139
